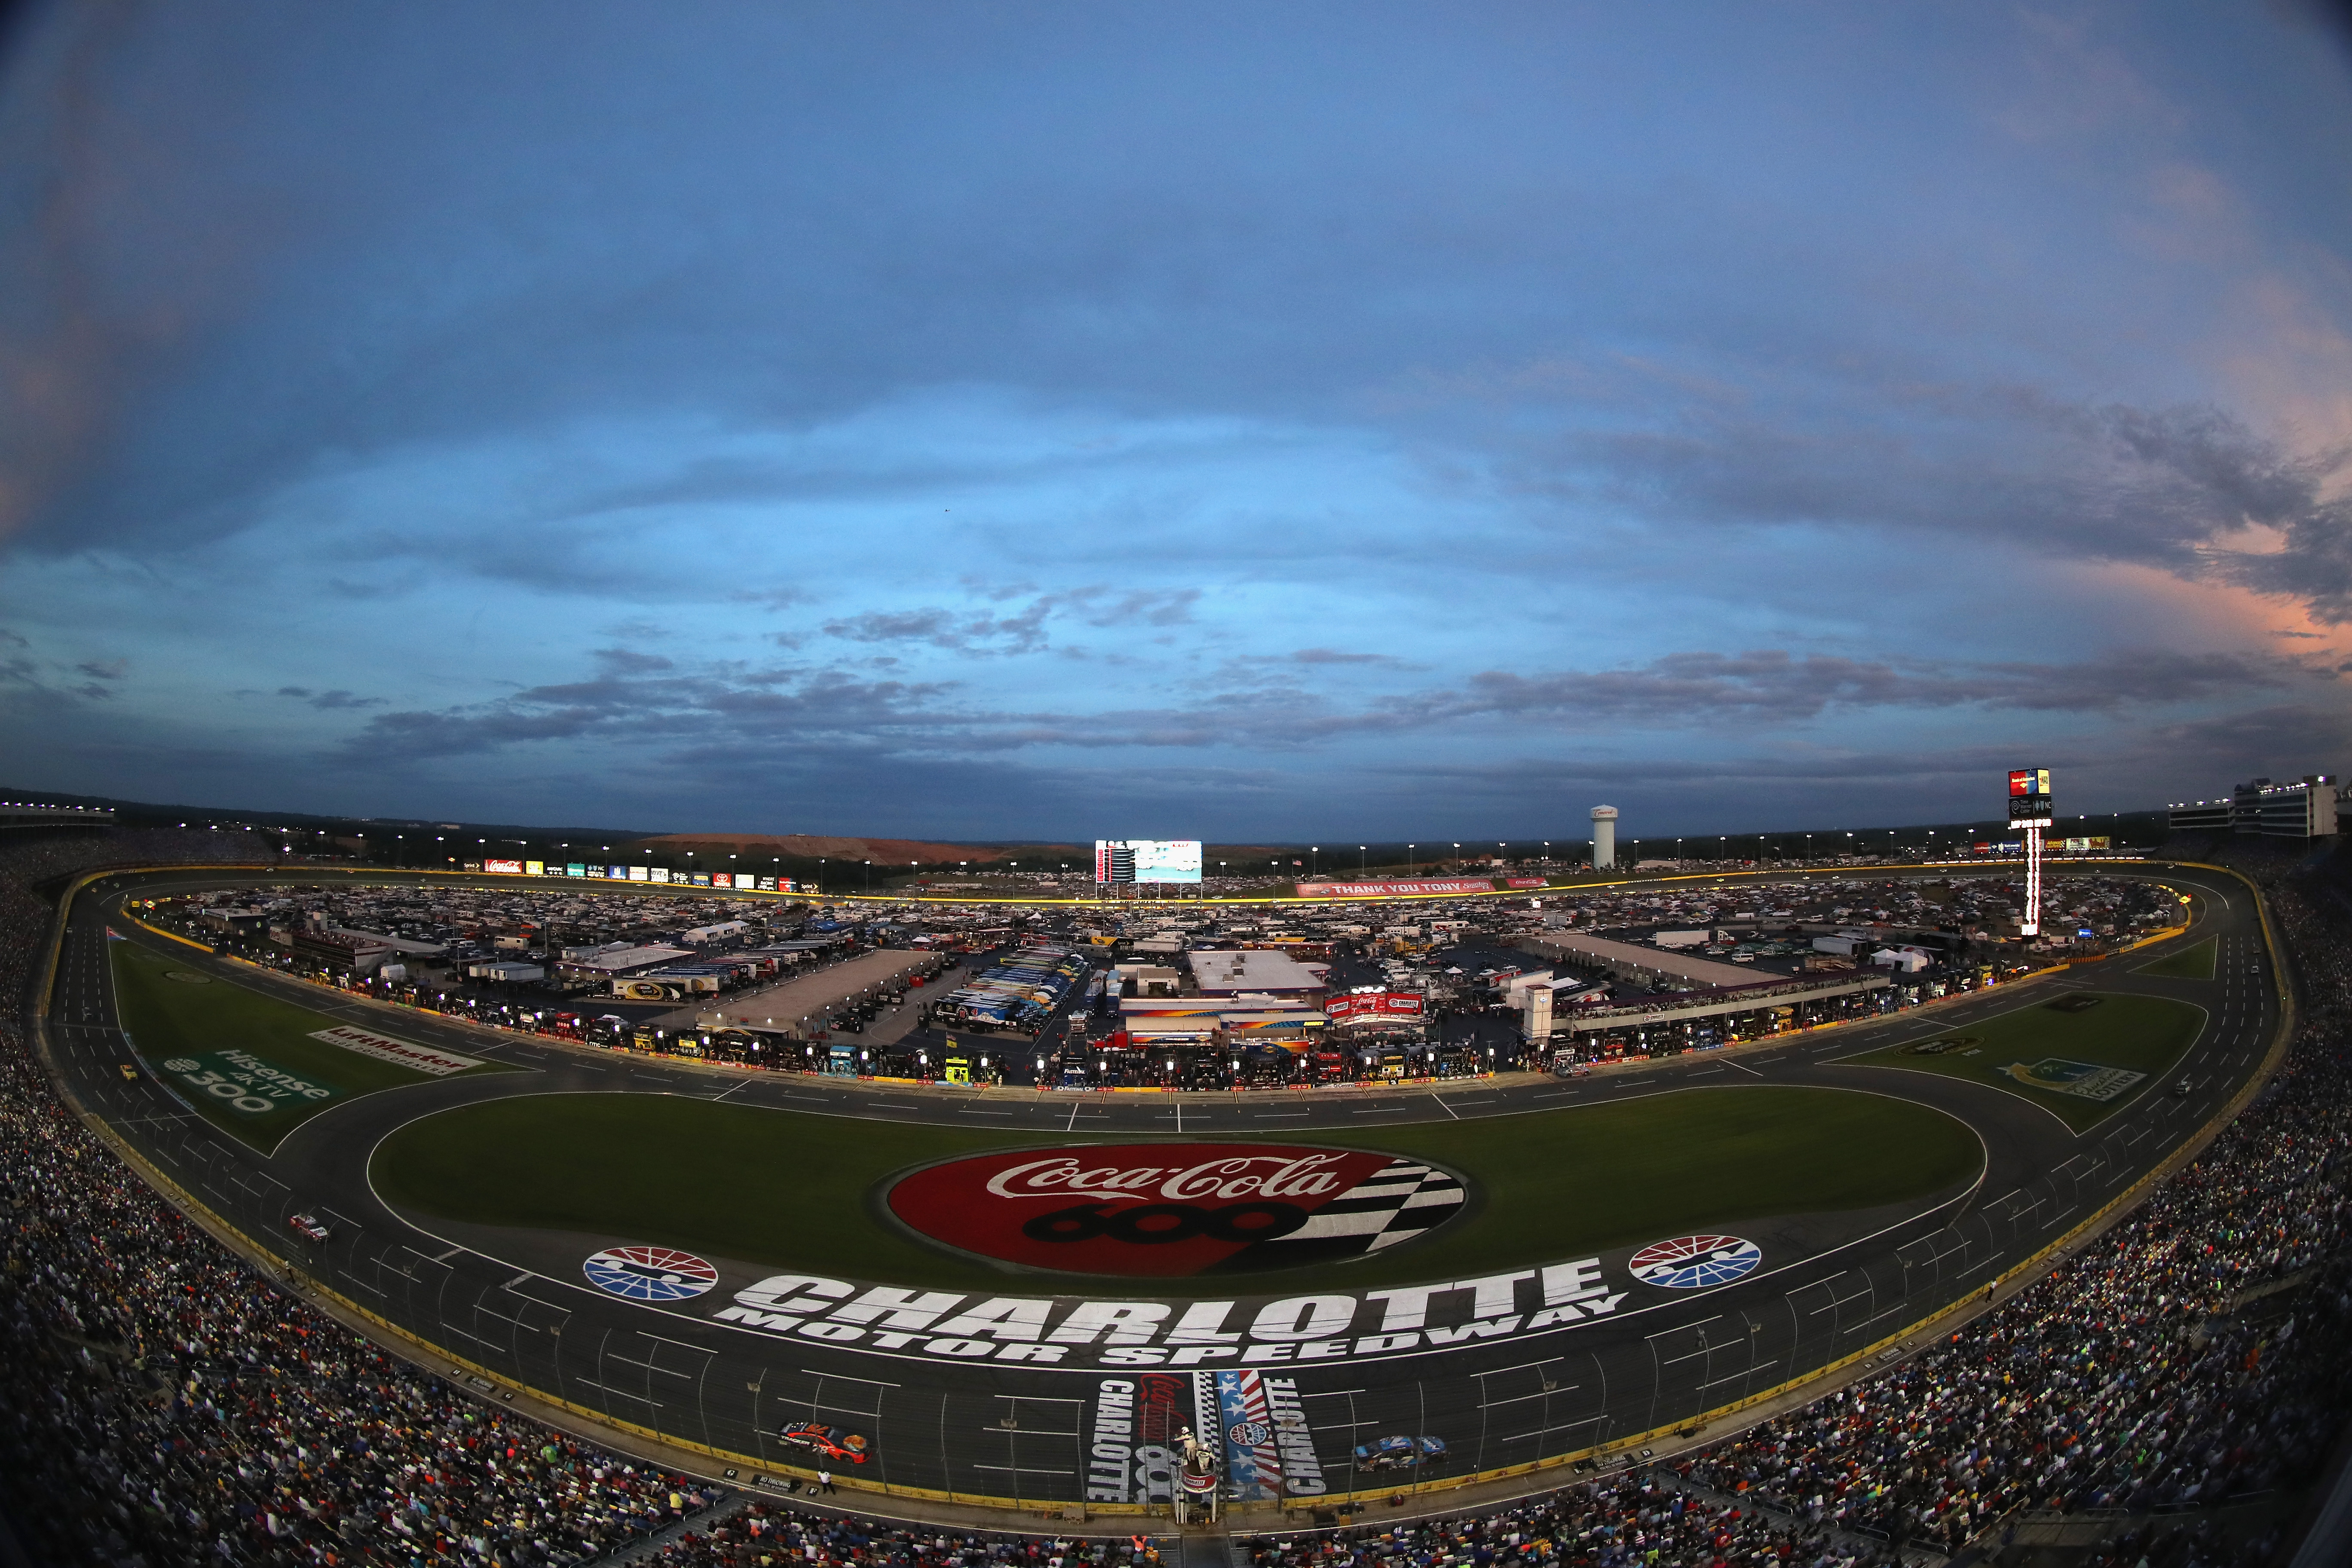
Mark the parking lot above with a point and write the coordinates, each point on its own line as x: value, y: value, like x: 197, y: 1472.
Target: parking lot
x: 800, y: 1002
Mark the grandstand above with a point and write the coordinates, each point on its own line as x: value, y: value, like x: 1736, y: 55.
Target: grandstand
x: 2172, y: 1392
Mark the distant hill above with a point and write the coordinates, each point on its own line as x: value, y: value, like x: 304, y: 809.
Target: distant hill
x: 899, y: 852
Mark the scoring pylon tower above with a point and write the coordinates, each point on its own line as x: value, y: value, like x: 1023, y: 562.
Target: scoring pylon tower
x: 2029, y: 810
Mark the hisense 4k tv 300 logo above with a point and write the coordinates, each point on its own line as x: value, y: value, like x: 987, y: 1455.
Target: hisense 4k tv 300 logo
x: 1169, y: 1210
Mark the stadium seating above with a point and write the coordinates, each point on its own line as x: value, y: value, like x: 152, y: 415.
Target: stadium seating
x: 161, y: 1403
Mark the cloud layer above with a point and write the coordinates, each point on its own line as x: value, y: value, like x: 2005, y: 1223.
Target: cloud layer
x: 952, y: 420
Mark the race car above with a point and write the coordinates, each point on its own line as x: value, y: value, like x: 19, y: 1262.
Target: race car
x: 306, y: 1227
x: 829, y: 1442
x: 130, y: 1073
x: 1399, y: 1453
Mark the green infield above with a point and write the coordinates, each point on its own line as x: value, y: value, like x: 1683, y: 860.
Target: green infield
x: 797, y: 1191
x: 2082, y: 1056
x: 253, y: 1065
x: 2194, y: 961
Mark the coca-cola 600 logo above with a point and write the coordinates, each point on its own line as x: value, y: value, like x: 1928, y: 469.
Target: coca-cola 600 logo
x: 1167, y: 1210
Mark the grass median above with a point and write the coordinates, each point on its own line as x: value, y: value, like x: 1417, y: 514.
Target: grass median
x: 796, y: 1191
x: 246, y: 1062
x: 2082, y: 1056
x: 2195, y: 962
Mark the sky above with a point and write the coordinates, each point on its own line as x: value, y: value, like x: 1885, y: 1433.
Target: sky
x: 1223, y: 421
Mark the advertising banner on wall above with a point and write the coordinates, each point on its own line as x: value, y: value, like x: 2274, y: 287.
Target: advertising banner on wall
x: 1428, y: 887
x: 2083, y: 846
x: 574, y: 869
x: 659, y: 874
x: 534, y: 867
x: 504, y: 867
x: 1375, y: 1005
x: 1524, y: 882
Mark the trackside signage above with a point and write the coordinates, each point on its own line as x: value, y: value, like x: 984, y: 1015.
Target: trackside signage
x: 1124, y: 1336
x: 384, y: 1048
x: 1132, y: 1446
x: 1424, y: 889
x: 1174, y: 1210
x: 1202, y: 1215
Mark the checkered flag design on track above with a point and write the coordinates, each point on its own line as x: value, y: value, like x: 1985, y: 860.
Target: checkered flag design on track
x: 1394, y: 1204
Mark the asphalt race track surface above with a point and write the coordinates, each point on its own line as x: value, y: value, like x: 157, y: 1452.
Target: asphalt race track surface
x: 965, y: 1417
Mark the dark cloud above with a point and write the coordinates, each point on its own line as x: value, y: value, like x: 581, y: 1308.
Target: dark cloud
x: 749, y: 713
x: 2167, y: 487
x: 945, y: 629
x: 103, y: 668
x: 629, y: 661
x: 328, y: 701
x: 989, y: 633
x: 1101, y: 607
x: 1333, y: 656
x: 1772, y: 684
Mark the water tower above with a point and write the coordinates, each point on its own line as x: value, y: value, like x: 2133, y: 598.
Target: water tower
x: 1604, y: 837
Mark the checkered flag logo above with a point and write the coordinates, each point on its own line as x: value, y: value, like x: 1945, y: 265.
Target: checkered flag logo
x: 1395, y: 1204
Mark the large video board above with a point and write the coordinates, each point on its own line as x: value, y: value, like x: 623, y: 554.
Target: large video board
x: 1147, y: 859
x: 1166, y: 859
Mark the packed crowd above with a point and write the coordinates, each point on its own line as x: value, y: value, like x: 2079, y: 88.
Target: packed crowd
x: 160, y: 1403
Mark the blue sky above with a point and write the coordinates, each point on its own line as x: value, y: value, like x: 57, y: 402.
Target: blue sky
x: 1045, y: 421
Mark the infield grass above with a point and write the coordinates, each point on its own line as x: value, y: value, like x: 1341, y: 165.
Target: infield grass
x: 177, y: 1013
x: 2116, y: 1046
x: 796, y: 1191
x: 2195, y: 962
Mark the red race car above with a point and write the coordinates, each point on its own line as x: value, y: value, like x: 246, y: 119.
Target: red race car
x: 303, y: 1225
x: 829, y: 1442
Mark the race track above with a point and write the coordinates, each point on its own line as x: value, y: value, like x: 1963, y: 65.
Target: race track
x: 1546, y: 1361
